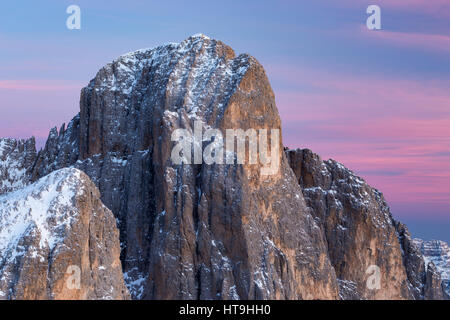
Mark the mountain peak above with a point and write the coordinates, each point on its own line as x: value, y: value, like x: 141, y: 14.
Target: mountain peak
x: 16, y: 160
x: 310, y: 230
x: 50, y: 227
x: 200, y: 35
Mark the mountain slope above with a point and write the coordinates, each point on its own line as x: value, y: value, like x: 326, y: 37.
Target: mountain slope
x: 361, y: 233
x: 309, y: 230
x: 438, y: 253
x: 16, y: 161
x: 193, y: 231
x: 53, y: 228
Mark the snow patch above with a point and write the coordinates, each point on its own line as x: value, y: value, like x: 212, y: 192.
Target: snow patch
x: 45, y: 207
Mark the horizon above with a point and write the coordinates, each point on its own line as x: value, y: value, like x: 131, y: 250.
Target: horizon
x: 376, y: 101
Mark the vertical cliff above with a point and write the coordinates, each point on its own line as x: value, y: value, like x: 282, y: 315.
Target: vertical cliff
x: 361, y: 233
x: 16, y: 161
x: 310, y: 229
x: 437, y: 255
x: 58, y: 241
x: 193, y: 231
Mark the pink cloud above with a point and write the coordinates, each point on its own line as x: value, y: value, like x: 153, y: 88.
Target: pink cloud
x: 32, y: 107
x: 434, y: 42
x: 393, y: 132
x: 39, y: 85
x: 440, y: 8
x: 364, y: 97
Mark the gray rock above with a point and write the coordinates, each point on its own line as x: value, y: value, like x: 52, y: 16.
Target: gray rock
x: 433, y: 286
x: 437, y: 252
x: 58, y: 241
x: 361, y: 231
x: 16, y: 160
x: 194, y: 231
x: 312, y: 230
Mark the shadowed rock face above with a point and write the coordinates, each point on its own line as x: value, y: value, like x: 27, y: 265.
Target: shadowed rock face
x: 437, y: 253
x: 193, y: 231
x: 16, y: 160
x: 51, y: 232
x: 434, y: 286
x: 223, y: 231
x: 361, y: 232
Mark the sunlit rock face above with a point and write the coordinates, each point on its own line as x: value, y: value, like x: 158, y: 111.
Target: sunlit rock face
x: 58, y: 241
x: 438, y: 253
x: 310, y: 229
x: 361, y: 233
x: 16, y: 162
x: 193, y: 231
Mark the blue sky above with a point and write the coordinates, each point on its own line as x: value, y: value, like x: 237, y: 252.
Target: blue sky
x: 378, y: 101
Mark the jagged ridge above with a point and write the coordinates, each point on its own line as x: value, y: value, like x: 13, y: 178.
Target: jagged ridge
x: 224, y: 232
x: 51, y: 225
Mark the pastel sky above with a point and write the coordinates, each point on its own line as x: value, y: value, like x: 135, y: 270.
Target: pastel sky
x: 377, y: 101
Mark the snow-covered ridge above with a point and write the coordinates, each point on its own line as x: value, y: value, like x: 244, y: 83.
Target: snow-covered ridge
x: 16, y: 157
x: 213, y: 62
x: 437, y: 252
x: 44, y: 208
x: 340, y: 184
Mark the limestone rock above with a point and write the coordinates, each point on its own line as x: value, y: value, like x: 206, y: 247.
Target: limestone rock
x: 194, y: 231
x: 437, y: 252
x: 433, y: 286
x: 361, y: 233
x: 58, y: 241
x: 61, y: 150
x: 311, y: 230
x: 16, y: 161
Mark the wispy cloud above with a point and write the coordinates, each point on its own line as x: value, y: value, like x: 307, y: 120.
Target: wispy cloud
x: 437, y: 8
x: 421, y: 41
x: 39, y: 85
x: 394, y: 132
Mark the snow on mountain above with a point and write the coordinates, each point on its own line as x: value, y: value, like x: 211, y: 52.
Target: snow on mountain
x: 50, y: 226
x: 437, y: 252
x: 128, y: 113
x: 126, y: 74
x: 45, y: 206
x: 190, y: 232
x: 16, y: 159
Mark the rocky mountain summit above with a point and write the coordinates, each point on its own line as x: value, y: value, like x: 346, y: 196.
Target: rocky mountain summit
x: 16, y: 160
x: 192, y: 231
x: 361, y: 233
x: 311, y: 230
x: 437, y: 252
x: 53, y: 227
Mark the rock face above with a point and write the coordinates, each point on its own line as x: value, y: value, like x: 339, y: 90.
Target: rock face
x: 61, y: 150
x: 16, y: 160
x: 58, y: 241
x: 307, y: 230
x: 361, y: 233
x: 434, y: 286
x: 193, y: 231
x: 437, y: 253
x: 414, y: 262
